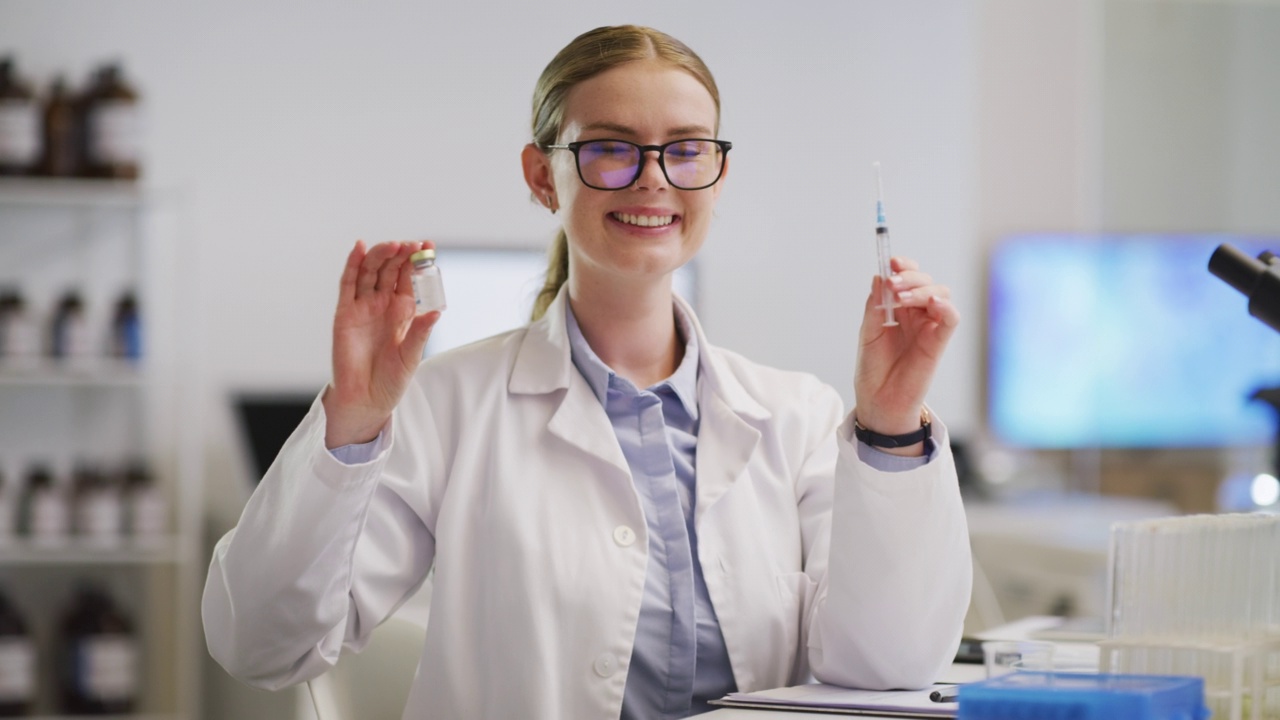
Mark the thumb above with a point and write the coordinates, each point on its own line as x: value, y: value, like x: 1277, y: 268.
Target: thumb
x: 415, y: 338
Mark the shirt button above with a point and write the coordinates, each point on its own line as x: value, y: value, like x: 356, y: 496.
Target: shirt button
x: 605, y: 665
x: 624, y: 535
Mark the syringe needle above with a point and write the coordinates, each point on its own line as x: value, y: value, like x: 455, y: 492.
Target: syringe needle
x: 883, y: 252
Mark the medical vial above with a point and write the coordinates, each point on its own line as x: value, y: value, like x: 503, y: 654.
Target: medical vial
x: 428, y: 288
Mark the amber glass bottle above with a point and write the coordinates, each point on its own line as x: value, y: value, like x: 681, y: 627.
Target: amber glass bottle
x: 61, y: 156
x: 99, y: 657
x: 112, y: 126
x: 17, y: 662
x: 19, y: 123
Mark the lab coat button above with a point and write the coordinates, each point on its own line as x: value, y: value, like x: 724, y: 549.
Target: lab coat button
x: 605, y: 665
x: 624, y: 535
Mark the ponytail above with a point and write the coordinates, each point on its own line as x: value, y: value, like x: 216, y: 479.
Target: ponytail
x: 557, y: 274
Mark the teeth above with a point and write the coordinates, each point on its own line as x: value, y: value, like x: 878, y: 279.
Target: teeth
x: 645, y: 220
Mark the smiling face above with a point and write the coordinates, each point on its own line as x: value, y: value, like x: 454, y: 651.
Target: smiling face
x: 642, y: 233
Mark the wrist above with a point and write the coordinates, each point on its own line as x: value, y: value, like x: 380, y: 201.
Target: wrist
x: 347, y: 425
x: 909, y: 442
x: 898, y: 423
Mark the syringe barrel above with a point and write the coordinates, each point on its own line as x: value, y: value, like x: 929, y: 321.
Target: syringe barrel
x: 883, y: 250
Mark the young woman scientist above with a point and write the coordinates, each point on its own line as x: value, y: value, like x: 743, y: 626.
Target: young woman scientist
x: 624, y: 520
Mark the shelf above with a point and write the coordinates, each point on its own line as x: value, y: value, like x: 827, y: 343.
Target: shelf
x: 101, y: 717
x: 70, y: 193
x: 20, y: 551
x: 97, y: 373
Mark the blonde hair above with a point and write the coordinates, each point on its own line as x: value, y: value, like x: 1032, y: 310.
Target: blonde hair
x: 590, y: 54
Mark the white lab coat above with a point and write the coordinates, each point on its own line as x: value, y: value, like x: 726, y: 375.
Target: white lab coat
x: 503, y: 472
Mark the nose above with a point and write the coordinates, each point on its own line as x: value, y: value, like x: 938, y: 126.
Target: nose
x: 651, y: 175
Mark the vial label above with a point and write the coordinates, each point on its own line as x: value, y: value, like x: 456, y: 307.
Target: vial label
x: 72, y: 338
x: 49, y: 518
x: 19, y: 132
x: 107, y: 667
x: 147, y: 515
x: 115, y: 133
x: 19, y: 339
x: 100, y: 516
x: 17, y: 670
x: 428, y: 290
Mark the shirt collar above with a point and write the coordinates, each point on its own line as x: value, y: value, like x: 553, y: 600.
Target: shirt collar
x: 683, y: 382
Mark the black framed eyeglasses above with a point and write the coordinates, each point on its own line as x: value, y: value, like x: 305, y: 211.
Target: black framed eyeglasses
x: 691, y: 164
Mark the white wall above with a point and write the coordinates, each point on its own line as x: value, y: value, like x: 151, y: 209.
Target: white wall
x: 1192, y: 101
x: 294, y: 128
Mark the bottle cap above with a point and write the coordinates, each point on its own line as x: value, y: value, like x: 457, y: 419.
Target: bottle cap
x: 427, y: 254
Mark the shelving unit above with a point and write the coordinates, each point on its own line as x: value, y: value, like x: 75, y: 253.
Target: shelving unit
x: 103, y: 237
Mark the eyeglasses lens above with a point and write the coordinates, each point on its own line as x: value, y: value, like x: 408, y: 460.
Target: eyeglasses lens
x: 692, y: 163
x: 608, y: 164
x: 611, y: 165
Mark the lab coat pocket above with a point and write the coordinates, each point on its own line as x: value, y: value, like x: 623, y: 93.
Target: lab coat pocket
x: 795, y: 591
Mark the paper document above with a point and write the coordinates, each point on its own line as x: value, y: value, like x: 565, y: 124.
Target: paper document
x: 829, y: 698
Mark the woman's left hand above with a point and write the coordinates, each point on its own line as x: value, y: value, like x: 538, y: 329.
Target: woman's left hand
x: 896, y: 364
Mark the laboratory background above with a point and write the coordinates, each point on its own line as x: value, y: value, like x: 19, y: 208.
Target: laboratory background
x: 1065, y: 166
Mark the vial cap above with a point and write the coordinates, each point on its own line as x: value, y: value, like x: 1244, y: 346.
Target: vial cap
x: 427, y: 254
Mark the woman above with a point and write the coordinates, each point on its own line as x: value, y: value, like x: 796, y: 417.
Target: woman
x: 623, y: 519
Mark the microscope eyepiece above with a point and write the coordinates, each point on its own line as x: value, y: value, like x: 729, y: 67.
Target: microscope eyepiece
x: 1256, y: 278
x: 1235, y: 268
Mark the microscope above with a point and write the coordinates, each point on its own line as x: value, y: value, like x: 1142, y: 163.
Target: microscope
x: 1259, y: 280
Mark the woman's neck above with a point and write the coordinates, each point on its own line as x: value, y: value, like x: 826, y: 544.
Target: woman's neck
x: 632, y: 331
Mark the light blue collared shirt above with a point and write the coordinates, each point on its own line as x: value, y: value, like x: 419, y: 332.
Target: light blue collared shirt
x: 679, y: 660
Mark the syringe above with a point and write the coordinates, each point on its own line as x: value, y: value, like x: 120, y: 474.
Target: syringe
x: 883, y: 253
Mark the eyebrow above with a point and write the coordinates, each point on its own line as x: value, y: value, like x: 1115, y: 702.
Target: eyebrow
x: 685, y: 130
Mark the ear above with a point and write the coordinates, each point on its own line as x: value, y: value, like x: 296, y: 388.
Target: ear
x: 537, y: 174
x: 720, y: 183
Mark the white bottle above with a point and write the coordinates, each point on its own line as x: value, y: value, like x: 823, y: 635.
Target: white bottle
x: 19, y: 334
x: 46, y: 515
x: 145, y: 506
x: 428, y: 287
x: 99, y: 509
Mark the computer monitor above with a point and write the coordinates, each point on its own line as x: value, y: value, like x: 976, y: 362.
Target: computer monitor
x: 266, y: 420
x: 1124, y: 341
x: 491, y: 290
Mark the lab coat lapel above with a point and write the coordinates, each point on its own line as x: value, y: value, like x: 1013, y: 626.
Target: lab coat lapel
x: 727, y: 437
x: 543, y: 366
x: 582, y: 422
x: 726, y: 443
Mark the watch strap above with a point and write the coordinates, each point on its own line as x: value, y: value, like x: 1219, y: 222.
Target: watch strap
x: 875, y: 439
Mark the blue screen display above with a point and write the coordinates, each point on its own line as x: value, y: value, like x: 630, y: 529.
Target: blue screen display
x: 1125, y: 341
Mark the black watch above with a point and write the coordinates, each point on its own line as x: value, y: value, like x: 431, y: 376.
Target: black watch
x: 875, y: 439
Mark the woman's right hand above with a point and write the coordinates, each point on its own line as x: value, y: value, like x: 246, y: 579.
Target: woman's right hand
x: 377, y: 341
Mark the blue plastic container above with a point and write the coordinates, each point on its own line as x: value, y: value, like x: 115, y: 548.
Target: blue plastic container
x: 1073, y: 696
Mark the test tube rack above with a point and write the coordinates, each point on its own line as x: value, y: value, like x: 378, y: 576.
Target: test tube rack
x: 1200, y: 595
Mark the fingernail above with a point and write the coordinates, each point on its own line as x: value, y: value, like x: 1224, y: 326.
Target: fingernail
x: 895, y: 280
x: 905, y: 295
